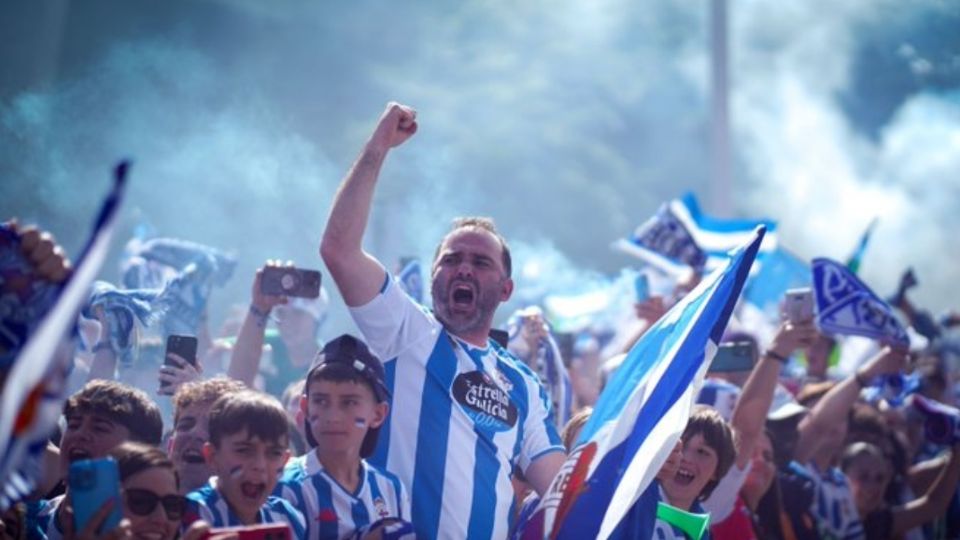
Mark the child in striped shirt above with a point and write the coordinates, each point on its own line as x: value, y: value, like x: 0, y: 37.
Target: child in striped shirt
x: 247, y: 450
x: 344, y: 405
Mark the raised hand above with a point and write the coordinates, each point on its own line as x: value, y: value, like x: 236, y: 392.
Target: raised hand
x: 397, y: 124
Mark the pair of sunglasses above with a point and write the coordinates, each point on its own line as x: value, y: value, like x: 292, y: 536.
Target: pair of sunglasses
x: 143, y: 502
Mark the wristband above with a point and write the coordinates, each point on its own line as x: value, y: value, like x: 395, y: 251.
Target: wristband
x: 260, y: 315
x: 776, y: 356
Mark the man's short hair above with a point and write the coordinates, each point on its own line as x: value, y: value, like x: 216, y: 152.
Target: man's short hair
x: 260, y: 414
x: 717, y: 434
x: 133, y: 457
x: 207, y: 391
x: 486, y: 224
x: 125, y: 405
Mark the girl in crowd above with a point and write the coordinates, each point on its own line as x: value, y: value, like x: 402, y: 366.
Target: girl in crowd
x: 869, y: 471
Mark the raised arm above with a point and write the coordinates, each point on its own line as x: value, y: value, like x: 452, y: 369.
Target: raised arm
x: 357, y: 274
x: 245, y: 357
x: 837, y: 402
x: 750, y: 414
x: 934, y: 502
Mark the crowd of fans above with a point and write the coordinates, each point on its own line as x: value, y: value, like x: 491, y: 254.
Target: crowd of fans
x: 425, y: 426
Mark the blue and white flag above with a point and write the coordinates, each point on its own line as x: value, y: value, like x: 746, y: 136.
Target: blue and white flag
x: 411, y: 280
x: 33, y: 390
x: 642, y: 412
x: 548, y: 364
x: 846, y: 306
x: 680, y: 237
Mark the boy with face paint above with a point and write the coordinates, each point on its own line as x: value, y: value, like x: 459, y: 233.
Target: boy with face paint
x: 344, y: 404
x: 246, y: 452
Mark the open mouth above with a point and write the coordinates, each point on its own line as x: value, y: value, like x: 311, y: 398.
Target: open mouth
x: 684, y: 476
x: 149, y: 535
x: 462, y: 295
x: 192, y: 456
x: 76, y: 454
x: 252, y: 490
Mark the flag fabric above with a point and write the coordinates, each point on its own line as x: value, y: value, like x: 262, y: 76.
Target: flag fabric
x: 549, y: 365
x: 642, y: 412
x: 121, y: 309
x: 846, y: 306
x: 185, y: 271
x: 33, y: 390
x: 680, y: 236
x: 853, y: 263
x: 411, y: 280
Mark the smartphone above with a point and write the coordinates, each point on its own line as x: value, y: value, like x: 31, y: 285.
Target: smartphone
x: 289, y: 281
x: 183, y: 346
x: 798, y: 304
x: 93, y: 482
x: 641, y: 287
x: 264, y: 531
x: 734, y: 356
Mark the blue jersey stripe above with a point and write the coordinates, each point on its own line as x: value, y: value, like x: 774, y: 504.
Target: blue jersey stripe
x: 327, y: 528
x: 434, y: 427
x: 358, y: 512
x: 379, y: 456
x: 484, y: 504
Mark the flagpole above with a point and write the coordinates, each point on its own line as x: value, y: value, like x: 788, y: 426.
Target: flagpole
x: 720, y: 181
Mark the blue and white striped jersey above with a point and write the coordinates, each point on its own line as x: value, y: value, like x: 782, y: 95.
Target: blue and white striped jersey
x: 209, y: 505
x: 331, y: 511
x: 833, y: 505
x: 460, y: 419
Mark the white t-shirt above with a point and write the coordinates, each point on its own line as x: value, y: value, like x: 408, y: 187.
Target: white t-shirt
x: 332, y: 511
x: 723, y: 498
x: 460, y: 419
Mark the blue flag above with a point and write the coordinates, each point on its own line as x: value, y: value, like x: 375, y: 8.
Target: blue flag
x: 642, y: 412
x: 411, y: 280
x: 33, y: 390
x: 680, y: 236
x: 846, y: 306
x: 547, y: 363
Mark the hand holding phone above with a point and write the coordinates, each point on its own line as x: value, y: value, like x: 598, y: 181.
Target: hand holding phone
x: 798, y: 304
x: 263, y: 531
x: 179, y: 363
x: 93, y: 483
x: 290, y: 281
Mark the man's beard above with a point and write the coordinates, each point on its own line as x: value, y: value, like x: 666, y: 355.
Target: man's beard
x: 485, y: 304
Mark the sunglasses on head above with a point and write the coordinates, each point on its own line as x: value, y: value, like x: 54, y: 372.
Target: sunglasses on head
x: 143, y: 502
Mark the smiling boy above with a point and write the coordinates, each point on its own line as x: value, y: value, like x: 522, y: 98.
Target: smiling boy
x: 101, y: 416
x: 344, y: 404
x: 246, y: 451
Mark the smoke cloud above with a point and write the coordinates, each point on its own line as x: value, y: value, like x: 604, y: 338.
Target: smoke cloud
x: 568, y: 124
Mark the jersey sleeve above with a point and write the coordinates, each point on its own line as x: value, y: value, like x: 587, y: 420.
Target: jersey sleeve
x: 539, y: 433
x: 392, y: 321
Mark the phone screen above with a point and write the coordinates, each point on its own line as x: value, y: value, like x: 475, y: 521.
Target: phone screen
x: 736, y: 356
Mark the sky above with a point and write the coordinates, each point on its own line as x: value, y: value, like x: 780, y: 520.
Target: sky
x: 568, y: 122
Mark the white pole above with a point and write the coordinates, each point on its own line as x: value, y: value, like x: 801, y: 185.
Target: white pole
x: 720, y: 181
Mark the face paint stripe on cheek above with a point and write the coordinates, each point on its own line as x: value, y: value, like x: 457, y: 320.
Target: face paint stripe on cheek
x: 360, y: 422
x: 236, y: 471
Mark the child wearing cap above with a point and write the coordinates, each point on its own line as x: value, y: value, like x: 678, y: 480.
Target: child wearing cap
x: 344, y: 404
x: 247, y: 450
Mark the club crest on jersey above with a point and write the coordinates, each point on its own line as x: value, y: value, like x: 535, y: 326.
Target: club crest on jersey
x: 381, y: 507
x: 484, y: 401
